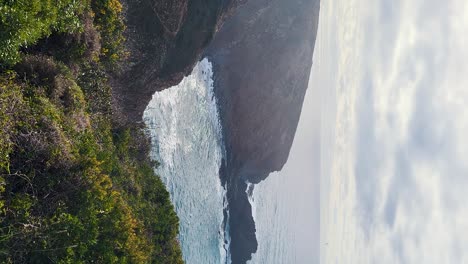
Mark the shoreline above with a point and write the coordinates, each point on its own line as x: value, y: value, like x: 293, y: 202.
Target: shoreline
x: 260, y: 99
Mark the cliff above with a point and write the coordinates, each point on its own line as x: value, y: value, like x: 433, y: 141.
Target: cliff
x: 262, y: 59
x: 165, y: 39
x: 262, y: 56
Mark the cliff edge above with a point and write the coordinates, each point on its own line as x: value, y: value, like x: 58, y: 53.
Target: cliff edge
x: 165, y: 38
x: 262, y: 59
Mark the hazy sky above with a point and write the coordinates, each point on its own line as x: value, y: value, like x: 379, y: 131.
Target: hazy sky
x: 397, y: 154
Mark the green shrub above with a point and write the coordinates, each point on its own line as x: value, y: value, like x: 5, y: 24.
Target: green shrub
x: 108, y: 20
x: 10, y: 101
x: 76, y: 195
x: 75, y: 187
x: 23, y: 22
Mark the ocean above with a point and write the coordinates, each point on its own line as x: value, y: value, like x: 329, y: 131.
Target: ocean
x: 186, y: 139
x: 273, y: 217
x: 286, y: 205
x: 186, y: 136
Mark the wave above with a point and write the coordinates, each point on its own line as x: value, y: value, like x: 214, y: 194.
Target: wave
x: 185, y: 131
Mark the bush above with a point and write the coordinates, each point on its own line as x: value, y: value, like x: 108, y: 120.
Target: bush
x: 75, y: 187
x: 76, y: 195
x: 108, y: 20
x: 10, y: 101
x: 24, y: 22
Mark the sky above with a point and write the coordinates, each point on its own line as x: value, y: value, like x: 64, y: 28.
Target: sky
x: 394, y: 118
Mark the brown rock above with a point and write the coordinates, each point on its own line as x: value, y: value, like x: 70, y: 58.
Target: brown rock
x: 165, y: 39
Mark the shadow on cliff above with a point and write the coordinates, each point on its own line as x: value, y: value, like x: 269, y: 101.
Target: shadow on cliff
x: 262, y: 56
x: 165, y: 39
x: 262, y: 59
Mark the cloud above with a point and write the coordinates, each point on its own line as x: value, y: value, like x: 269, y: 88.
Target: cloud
x: 411, y: 147
x: 401, y: 150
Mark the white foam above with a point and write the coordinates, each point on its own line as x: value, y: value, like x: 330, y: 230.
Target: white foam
x: 185, y: 131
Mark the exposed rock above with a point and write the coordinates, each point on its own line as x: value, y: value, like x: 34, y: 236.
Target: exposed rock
x: 262, y: 59
x: 170, y: 14
x: 165, y: 40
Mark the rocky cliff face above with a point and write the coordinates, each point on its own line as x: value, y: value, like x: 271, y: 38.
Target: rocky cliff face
x: 165, y: 40
x: 262, y: 57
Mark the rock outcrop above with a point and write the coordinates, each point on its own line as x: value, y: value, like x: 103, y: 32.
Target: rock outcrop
x: 262, y: 59
x: 165, y: 40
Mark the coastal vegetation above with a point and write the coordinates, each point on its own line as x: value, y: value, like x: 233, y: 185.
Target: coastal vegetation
x: 76, y: 182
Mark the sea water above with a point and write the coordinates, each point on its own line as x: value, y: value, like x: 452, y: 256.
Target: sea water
x: 186, y: 138
x: 285, y: 209
x: 286, y: 205
x: 273, y: 223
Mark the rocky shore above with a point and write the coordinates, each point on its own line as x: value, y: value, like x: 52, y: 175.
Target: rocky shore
x: 165, y: 39
x: 262, y: 58
x: 262, y: 55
